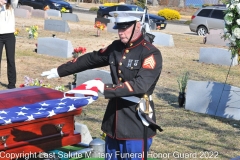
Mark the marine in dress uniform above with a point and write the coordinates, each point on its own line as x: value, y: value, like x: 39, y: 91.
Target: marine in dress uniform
x: 135, y: 68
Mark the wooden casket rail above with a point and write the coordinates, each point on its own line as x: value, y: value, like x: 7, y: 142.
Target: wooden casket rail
x: 37, y: 135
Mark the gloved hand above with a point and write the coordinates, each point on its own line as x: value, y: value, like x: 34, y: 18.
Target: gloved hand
x: 51, y: 74
x: 95, y: 83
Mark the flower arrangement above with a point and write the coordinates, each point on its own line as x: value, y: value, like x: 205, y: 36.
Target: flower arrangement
x: 32, y: 31
x: 36, y: 82
x: 17, y: 31
x: 76, y: 53
x: 46, y: 8
x: 99, y: 25
x: 232, y: 25
x: 63, y: 10
x: 182, y: 82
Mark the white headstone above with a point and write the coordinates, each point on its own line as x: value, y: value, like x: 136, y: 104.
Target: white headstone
x: 29, y: 8
x: 214, y: 37
x: 39, y: 13
x: 54, y: 47
x: 217, y: 56
x: 53, y: 13
x: 70, y: 17
x: 213, y: 98
x: 86, y: 137
x: 56, y: 25
x: 163, y: 39
x: 22, y: 13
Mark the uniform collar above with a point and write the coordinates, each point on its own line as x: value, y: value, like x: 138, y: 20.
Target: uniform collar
x: 135, y: 42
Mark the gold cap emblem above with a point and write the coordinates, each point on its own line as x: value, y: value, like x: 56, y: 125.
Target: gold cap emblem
x: 115, y: 14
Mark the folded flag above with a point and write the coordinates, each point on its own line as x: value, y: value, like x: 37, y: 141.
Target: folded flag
x: 73, y: 99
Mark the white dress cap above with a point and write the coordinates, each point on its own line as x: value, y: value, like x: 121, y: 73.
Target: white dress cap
x: 126, y: 16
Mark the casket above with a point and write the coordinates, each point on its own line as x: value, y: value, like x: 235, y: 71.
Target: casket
x: 35, y: 136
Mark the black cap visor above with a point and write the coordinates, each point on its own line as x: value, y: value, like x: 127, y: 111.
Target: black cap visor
x: 123, y: 25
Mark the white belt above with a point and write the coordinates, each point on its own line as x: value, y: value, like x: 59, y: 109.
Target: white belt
x: 142, y: 107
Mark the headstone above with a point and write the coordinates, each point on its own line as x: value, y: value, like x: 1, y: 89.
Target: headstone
x: 213, y: 98
x: 93, y: 74
x: 102, y: 20
x: 22, y: 13
x: 163, y: 39
x: 110, y: 28
x: 53, y: 13
x: 54, y: 47
x: 152, y: 25
x: 39, y: 13
x: 86, y: 137
x: 217, y: 56
x: 214, y: 37
x: 111, y: 19
x: 70, y: 17
x: 29, y: 8
x: 56, y: 25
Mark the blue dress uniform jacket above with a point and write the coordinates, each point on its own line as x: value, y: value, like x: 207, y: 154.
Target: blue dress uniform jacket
x: 135, y: 69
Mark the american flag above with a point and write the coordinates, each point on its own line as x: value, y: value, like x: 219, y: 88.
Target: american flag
x: 49, y: 108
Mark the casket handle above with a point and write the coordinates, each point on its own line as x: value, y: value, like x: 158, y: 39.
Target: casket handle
x: 3, y: 140
x: 59, y: 128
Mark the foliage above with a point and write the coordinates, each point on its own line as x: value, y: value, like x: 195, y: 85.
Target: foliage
x: 93, y: 9
x: 110, y: 4
x: 99, y: 25
x: 182, y: 82
x: 32, y: 32
x: 36, y: 82
x: 232, y: 22
x: 169, y: 14
x: 76, y: 53
x: 17, y: 31
x: 140, y: 3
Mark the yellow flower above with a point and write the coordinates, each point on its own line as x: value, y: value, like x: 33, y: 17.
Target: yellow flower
x: 27, y: 29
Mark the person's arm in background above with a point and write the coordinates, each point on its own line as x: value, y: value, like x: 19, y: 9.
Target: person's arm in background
x: 2, y: 2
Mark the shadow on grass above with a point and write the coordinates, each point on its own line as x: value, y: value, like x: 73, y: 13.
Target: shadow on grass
x: 166, y: 95
x: 3, y: 84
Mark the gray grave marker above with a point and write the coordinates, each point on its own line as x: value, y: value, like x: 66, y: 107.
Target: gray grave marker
x: 55, y: 47
x: 53, y: 13
x: 205, y: 97
x: 70, y: 17
x: 163, y: 39
x: 23, y: 13
x: 217, y: 56
x: 39, y: 13
x: 56, y: 25
x: 29, y: 8
x: 93, y: 74
x: 214, y: 37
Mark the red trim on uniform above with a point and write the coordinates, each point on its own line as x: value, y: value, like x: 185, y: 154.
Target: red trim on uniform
x: 74, y: 60
x: 103, y: 49
x: 128, y: 86
x: 149, y: 62
x: 145, y: 45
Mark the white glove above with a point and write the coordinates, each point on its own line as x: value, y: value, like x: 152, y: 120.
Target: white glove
x: 51, y: 74
x: 95, y: 83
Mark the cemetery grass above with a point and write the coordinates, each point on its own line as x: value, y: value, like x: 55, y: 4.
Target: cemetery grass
x: 184, y: 132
